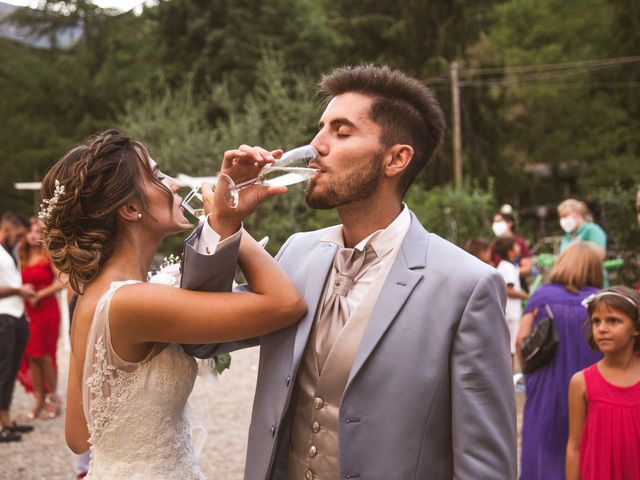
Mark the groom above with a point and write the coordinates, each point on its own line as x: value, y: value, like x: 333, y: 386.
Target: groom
x: 401, y: 367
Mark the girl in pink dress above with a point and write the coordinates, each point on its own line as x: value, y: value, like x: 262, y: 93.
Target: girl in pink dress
x: 604, y: 399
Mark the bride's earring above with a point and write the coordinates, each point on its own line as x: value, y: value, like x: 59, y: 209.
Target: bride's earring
x: 139, y: 216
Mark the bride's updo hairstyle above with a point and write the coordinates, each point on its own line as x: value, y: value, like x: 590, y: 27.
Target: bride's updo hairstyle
x: 83, y: 192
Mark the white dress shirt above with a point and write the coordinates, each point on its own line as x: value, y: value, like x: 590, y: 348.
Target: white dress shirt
x: 386, y: 244
x: 10, y: 277
x: 209, y: 242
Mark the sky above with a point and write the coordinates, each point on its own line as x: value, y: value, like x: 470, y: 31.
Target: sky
x: 123, y: 5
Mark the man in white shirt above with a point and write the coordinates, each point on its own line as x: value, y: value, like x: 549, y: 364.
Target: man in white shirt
x: 400, y: 368
x: 14, y: 329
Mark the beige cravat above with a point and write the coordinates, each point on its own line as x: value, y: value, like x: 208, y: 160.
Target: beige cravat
x: 349, y: 264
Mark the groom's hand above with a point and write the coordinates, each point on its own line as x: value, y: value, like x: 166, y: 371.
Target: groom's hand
x: 241, y: 164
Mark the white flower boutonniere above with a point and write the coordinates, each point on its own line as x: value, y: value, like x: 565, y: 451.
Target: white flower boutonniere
x: 169, y: 273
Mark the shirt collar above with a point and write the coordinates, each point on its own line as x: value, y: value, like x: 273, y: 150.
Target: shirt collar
x: 382, y: 241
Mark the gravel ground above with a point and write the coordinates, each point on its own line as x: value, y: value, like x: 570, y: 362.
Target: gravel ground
x: 223, y: 407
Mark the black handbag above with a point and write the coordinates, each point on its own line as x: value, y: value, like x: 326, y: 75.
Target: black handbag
x: 540, y: 346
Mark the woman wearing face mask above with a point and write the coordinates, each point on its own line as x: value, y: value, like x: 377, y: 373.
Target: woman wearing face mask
x: 577, y: 226
x: 503, y: 226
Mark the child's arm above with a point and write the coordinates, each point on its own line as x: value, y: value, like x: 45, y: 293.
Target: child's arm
x: 513, y: 293
x: 577, y: 414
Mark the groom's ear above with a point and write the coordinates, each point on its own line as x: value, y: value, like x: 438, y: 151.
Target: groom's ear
x: 397, y: 160
x: 130, y: 212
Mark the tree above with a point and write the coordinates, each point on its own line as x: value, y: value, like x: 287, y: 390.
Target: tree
x: 570, y: 118
x: 280, y: 112
x: 208, y: 41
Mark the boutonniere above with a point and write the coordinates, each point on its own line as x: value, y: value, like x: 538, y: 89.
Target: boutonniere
x: 169, y: 272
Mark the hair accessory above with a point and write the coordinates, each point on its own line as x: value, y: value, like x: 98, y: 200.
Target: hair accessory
x: 139, y: 215
x: 47, y: 205
x: 596, y: 296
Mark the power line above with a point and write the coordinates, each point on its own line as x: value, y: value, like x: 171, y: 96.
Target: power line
x: 539, y: 75
x: 611, y: 85
x: 580, y: 64
x: 551, y: 70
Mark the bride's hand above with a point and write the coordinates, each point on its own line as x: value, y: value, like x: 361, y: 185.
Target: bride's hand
x: 241, y: 164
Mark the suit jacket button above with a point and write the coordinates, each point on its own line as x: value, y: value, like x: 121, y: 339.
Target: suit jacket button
x: 315, y: 426
x: 272, y: 430
x: 308, y: 475
x: 313, y: 451
x: 318, y: 403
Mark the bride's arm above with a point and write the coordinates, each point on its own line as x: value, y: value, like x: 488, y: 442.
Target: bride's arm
x: 75, y: 425
x: 149, y: 312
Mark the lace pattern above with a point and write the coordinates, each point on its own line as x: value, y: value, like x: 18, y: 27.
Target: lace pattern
x: 136, y: 412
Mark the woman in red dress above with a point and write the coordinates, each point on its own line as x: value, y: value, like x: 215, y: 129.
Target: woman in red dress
x: 38, y: 373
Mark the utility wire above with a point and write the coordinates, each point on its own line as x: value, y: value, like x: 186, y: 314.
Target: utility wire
x: 546, y: 71
x: 541, y: 77
x: 580, y: 64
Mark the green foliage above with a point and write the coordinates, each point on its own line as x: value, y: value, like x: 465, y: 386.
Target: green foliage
x: 576, y: 120
x: 208, y: 41
x: 280, y: 112
x: 457, y: 214
x: 173, y: 125
x: 618, y: 217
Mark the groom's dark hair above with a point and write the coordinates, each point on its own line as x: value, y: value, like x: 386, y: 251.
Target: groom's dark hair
x: 405, y: 108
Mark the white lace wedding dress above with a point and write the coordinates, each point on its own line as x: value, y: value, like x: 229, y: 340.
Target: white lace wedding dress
x: 137, y: 412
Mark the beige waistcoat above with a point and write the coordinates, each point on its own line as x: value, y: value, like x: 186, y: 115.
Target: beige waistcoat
x: 315, y: 427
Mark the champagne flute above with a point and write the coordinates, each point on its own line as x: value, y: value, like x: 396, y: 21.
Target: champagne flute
x: 291, y: 168
x: 193, y: 204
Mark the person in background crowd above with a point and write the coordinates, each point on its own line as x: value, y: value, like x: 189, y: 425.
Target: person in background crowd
x: 14, y: 330
x: 509, y: 250
x: 576, y: 274
x: 638, y: 219
x: 22, y: 223
x: 638, y: 205
x: 575, y: 221
x: 480, y: 248
x: 504, y: 226
x: 38, y: 372
x: 604, y: 399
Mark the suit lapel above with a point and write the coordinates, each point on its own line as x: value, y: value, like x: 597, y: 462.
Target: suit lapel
x: 405, y: 274
x: 318, y: 271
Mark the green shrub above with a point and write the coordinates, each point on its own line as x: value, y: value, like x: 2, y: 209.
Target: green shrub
x: 457, y: 214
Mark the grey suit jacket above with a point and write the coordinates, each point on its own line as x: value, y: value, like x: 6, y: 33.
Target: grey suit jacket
x: 429, y: 395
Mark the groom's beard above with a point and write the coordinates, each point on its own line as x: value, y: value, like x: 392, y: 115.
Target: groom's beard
x: 345, y: 188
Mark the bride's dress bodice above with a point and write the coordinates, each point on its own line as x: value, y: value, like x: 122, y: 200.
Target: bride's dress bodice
x: 136, y: 412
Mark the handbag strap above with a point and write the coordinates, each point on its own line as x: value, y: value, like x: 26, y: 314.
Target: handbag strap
x: 549, y: 312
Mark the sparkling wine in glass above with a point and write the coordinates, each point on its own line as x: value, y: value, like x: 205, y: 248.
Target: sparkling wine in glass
x: 291, y: 168
x: 193, y: 204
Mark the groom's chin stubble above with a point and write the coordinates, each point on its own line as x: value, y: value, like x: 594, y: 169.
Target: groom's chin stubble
x: 315, y: 201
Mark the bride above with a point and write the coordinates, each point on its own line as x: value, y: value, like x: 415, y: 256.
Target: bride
x: 107, y: 208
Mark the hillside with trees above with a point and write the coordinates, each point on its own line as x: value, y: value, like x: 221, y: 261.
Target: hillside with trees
x: 550, y: 95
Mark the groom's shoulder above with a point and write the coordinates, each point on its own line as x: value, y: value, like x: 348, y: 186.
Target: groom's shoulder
x: 310, y: 237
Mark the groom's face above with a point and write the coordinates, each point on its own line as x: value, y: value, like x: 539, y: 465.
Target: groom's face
x: 350, y: 160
